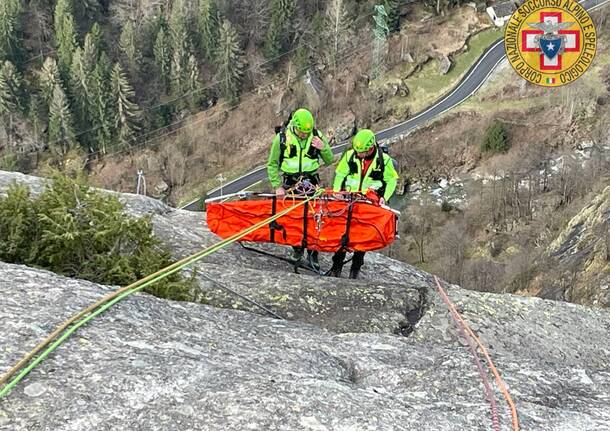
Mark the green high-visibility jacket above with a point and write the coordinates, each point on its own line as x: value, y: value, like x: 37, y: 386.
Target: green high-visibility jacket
x: 299, y: 157
x: 382, y: 178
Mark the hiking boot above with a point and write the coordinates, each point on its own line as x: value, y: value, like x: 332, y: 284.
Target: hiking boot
x: 312, y: 257
x: 353, y: 273
x: 297, y: 253
x: 335, y: 272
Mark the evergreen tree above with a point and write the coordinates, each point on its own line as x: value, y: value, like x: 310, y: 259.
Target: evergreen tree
x: 73, y: 229
x: 392, y: 8
x: 127, y: 112
x: 97, y: 38
x: 63, y: 8
x: 230, y: 62
x: 208, y: 28
x: 191, y: 84
x: 178, y: 71
x: 127, y: 44
x: 65, y: 36
x: 91, y: 52
x: 61, y: 131
x: 302, y: 60
x: 181, y: 52
x: 314, y: 39
x: 80, y: 92
x: 9, y: 98
x: 17, y: 221
x: 279, y: 31
x: 49, y: 79
x: 12, y: 94
x: 178, y: 20
x: 37, y: 114
x: 496, y: 138
x: 101, y: 103
x: 10, y: 23
x: 163, y: 58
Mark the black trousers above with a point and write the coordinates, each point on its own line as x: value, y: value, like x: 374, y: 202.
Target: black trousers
x: 357, y: 260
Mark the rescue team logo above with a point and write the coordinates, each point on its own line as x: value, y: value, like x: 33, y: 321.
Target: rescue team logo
x: 550, y: 42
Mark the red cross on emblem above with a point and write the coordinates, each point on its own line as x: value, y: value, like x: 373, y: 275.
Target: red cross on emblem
x: 528, y: 44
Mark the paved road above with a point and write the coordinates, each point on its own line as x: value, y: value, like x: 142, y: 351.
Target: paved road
x: 470, y: 83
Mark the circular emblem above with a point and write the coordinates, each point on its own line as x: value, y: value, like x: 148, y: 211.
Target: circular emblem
x: 550, y: 42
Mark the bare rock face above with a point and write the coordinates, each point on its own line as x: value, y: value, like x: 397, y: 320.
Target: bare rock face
x: 385, y: 91
x: 341, y: 362
x: 345, y: 128
x: 583, y: 249
x: 409, y: 57
x: 154, y: 364
x: 444, y: 65
x: 338, y: 305
x: 307, y: 91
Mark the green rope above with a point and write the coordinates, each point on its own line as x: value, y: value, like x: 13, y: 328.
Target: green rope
x: 141, y: 284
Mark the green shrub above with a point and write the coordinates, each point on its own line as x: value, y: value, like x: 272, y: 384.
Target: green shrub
x: 9, y: 161
x: 80, y: 232
x: 446, y: 206
x: 17, y: 223
x: 496, y: 138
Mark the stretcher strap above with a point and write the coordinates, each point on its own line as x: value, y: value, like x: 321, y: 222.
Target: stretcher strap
x: 274, y: 225
x: 348, y: 224
x: 305, y: 214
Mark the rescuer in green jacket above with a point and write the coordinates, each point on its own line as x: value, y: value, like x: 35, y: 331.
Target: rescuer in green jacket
x: 365, y: 167
x: 295, y: 155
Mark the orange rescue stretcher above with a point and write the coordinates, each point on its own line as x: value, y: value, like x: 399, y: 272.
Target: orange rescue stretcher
x: 327, y: 223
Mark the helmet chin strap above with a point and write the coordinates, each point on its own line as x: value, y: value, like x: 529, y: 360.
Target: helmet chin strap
x: 299, y: 133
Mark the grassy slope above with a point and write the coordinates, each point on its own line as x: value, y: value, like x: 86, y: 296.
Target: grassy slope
x: 428, y: 85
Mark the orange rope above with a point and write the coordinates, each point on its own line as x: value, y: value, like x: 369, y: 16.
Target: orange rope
x: 499, y: 380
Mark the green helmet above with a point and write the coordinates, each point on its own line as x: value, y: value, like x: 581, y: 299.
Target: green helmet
x: 363, y: 141
x: 303, y: 120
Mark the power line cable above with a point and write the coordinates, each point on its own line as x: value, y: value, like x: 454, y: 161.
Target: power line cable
x: 207, y: 87
x: 203, y: 119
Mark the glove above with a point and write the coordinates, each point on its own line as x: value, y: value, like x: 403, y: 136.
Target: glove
x: 371, y: 195
x: 280, y: 191
x: 317, y: 143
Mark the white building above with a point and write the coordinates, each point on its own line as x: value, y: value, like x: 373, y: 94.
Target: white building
x: 501, y: 12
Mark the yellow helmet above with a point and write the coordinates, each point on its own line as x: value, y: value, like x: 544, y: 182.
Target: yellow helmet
x: 303, y: 120
x: 363, y: 141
